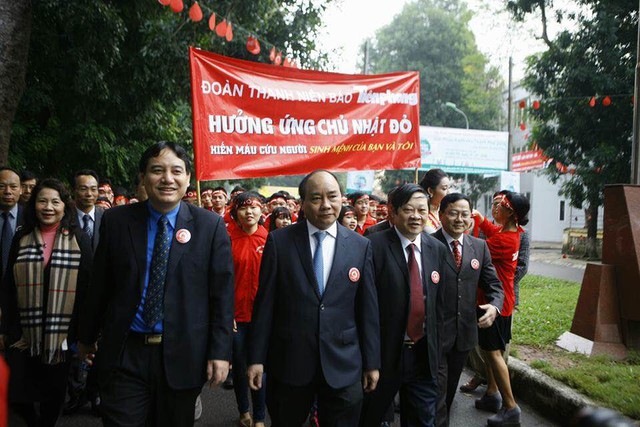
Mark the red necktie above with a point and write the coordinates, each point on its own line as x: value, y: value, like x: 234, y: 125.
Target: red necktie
x: 456, y: 253
x: 415, y: 326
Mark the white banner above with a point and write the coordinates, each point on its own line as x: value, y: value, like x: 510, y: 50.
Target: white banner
x: 360, y: 181
x: 463, y: 150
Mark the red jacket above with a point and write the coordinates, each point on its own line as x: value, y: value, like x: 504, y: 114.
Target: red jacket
x: 504, y: 247
x: 247, y: 253
x: 367, y: 223
x: 4, y: 393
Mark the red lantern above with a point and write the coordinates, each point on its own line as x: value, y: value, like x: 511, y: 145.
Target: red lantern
x: 523, y: 126
x: 286, y: 63
x: 212, y: 22
x: 195, y: 13
x: 522, y: 104
x: 221, y: 28
x: 536, y: 105
x: 253, y: 46
x: 606, y: 101
x: 272, y: 54
x: 294, y: 64
x: 592, y: 102
x: 229, y: 33
x: 572, y: 171
x: 278, y: 59
x: 177, y: 6
x: 164, y: 2
x: 598, y: 169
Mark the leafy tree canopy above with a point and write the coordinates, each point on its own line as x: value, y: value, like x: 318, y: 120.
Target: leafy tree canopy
x: 597, y: 58
x: 106, y: 79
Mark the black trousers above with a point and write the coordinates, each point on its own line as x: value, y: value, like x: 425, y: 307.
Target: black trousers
x: 137, y: 394
x: 289, y: 405
x: 418, y: 391
x: 449, y: 371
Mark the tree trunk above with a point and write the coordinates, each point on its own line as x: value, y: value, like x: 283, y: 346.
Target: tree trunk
x: 591, y: 249
x: 15, y: 31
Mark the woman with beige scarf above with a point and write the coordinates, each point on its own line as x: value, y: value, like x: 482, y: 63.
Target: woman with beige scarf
x: 40, y: 295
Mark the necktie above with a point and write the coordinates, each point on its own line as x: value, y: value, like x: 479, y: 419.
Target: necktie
x: 456, y: 253
x: 318, y: 260
x: 7, y: 235
x: 415, y: 326
x: 153, y: 310
x: 86, y: 227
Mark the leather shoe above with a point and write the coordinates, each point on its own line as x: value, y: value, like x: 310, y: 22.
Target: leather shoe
x: 489, y: 402
x: 73, y: 405
x: 506, y: 418
x: 472, y: 384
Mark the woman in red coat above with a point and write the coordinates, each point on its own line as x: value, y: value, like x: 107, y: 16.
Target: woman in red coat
x: 247, y: 243
x: 509, y: 211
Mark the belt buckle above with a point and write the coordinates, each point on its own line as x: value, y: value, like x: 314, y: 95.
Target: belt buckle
x: 154, y: 339
x: 409, y: 343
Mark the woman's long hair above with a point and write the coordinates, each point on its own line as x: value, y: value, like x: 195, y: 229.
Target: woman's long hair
x: 69, y: 219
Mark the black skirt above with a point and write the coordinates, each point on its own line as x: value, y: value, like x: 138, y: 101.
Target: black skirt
x: 30, y: 380
x: 497, y: 336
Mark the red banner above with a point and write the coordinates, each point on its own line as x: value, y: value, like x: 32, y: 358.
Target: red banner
x: 528, y: 160
x: 256, y: 120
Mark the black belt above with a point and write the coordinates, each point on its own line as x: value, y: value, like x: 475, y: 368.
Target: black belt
x: 148, y: 339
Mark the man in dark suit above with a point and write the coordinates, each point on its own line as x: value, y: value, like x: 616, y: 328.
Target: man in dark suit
x: 10, y: 211
x: 85, y: 193
x: 162, y: 297
x: 409, y: 273
x: 315, y: 321
x: 469, y: 267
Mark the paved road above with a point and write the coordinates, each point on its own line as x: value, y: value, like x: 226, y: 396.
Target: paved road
x: 220, y: 411
x: 549, y: 263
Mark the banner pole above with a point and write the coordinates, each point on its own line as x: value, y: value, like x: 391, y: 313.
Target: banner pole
x: 416, y: 177
x: 198, y: 190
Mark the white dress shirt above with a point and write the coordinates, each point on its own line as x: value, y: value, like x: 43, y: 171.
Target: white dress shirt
x: 92, y: 214
x: 328, y: 248
x: 450, y: 239
x: 417, y: 250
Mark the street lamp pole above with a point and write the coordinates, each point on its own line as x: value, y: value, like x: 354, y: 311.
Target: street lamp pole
x: 457, y: 110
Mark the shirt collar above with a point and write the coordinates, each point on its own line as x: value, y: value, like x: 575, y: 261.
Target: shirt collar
x: 171, y: 215
x: 331, y: 231
x: 405, y: 242
x: 13, y: 212
x: 91, y: 213
x: 451, y: 239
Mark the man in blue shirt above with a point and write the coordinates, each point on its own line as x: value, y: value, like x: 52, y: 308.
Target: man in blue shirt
x: 162, y: 297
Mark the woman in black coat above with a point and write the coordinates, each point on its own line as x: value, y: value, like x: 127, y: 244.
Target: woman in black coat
x: 40, y: 295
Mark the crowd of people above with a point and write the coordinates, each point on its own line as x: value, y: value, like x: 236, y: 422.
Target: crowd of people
x: 326, y: 306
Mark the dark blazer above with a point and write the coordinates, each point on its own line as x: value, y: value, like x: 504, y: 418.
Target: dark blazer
x: 381, y: 226
x: 392, y: 284
x: 198, y: 301
x: 461, y: 288
x: 96, y: 227
x: 294, y: 330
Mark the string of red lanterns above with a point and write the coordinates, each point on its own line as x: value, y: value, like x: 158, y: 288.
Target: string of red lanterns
x: 606, y: 100
x: 224, y: 29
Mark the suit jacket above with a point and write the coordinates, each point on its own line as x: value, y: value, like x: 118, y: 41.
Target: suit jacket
x: 294, y: 330
x: 381, y: 226
x: 96, y: 227
x: 394, y: 289
x: 461, y: 288
x: 198, y: 300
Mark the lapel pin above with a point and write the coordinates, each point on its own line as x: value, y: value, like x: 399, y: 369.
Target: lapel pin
x: 354, y: 275
x: 183, y: 235
x: 475, y: 264
x: 435, y: 277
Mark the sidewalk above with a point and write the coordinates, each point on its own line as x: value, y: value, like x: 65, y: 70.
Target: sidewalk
x: 551, y: 253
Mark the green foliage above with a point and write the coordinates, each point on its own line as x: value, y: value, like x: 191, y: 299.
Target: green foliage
x: 433, y: 37
x: 106, y: 79
x: 546, y: 310
x: 596, y: 58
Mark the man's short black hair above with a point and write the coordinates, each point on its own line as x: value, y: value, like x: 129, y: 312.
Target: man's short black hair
x: 27, y: 175
x: 452, y: 198
x: 155, y: 149
x: 356, y: 195
x: 403, y: 193
x: 82, y: 172
x: 8, y: 168
x: 277, y: 195
x: 219, y: 189
x: 302, y: 190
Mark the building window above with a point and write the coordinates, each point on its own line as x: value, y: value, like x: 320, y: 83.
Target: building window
x: 561, y: 210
